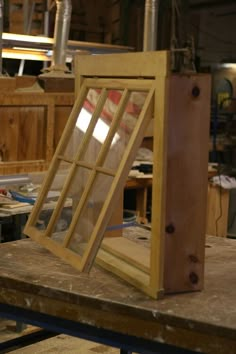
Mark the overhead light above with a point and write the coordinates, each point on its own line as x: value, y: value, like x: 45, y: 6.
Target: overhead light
x: 11, y: 40
x: 228, y: 62
x: 229, y: 65
x: 31, y: 49
x: 25, y: 54
x: 30, y: 54
x: 27, y: 47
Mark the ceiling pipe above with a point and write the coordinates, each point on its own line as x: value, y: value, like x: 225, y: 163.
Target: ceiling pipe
x: 150, y: 25
x: 61, y: 35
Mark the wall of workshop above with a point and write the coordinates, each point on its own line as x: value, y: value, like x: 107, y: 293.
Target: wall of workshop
x: 90, y: 21
x: 216, y: 40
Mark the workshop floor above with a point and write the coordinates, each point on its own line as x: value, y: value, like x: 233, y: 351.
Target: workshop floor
x: 55, y: 345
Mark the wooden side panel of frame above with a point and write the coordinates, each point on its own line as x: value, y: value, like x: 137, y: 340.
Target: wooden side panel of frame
x: 187, y: 178
x: 179, y: 194
x: 145, y: 64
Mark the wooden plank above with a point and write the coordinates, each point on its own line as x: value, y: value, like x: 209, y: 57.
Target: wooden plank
x: 149, y: 64
x: 62, y: 99
x: 116, y: 219
x: 187, y: 176
x: 8, y: 168
x: 61, y: 113
x: 217, y: 211
x: 9, y: 133
x: 31, y: 133
x: 58, y: 84
x: 159, y: 185
x: 49, y: 137
x: 123, y: 269
x: 129, y: 251
x: 7, y: 84
x: 25, y: 99
x: 119, y: 84
x: 141, y: 205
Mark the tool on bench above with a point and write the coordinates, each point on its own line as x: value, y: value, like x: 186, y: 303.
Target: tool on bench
x: 22, y: 198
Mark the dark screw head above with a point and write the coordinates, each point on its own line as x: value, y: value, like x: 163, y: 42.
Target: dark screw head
x: 193, y: 258
x: 170, y: 229
x: 195, y: 91
x: 193, y: 277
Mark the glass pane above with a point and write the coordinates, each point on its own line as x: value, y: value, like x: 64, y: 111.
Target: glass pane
x: 125, y: 129
x: 90, y: 213
x: 96, y: 139
x: 53, y: 195
x: 73, y: 196
x: 103, y: 125
x: 81, y: 125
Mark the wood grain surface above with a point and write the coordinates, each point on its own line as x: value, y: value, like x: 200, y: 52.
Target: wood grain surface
x: 32, y: 278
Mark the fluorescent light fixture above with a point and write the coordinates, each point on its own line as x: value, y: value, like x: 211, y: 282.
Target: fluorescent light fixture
x: 229, y: 66
x: 31, y: 49
x: 21, y: 40
x: 29, y: 54
x: 21, y: 46
x: 26, y: 38
x: 101, y: 130
x: 24, y: 54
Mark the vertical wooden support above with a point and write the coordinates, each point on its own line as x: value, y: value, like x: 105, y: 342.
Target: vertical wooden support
x: 186, y: 184
x: 159, y: 187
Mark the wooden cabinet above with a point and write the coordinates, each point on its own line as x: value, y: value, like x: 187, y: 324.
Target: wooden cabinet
x: 31, y: 126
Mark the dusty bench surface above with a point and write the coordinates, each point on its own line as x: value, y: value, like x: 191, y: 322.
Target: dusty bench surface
x: 31, y: 278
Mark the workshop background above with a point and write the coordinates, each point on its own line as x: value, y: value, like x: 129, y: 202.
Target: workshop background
x: 201, y: 37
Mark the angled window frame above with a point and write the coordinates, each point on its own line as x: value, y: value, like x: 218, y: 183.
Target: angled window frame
x: 130, y: 71
x: 43, y: 237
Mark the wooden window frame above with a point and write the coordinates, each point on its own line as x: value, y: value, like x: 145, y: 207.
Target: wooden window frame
x: 128, y: 86
x: 186, y: 246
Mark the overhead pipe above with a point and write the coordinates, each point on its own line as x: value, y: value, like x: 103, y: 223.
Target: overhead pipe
x: 61, y: 35
x: 150, y: 25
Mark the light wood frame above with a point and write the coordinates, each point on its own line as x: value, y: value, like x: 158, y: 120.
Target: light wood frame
x: 84, y: 263
x: 146, y: 274
x: 150, y: 270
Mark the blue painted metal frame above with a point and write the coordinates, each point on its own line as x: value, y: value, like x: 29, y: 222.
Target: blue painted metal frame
x: 25, y: 340
x: 127, y: 343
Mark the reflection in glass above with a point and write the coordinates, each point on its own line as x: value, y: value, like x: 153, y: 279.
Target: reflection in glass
x: 101, y: 134
x: 52, y: 197
x: 90, y: 213
x: 71, y: 201
x: 125, y: 129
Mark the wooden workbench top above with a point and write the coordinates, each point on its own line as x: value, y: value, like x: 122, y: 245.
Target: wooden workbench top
x: 32, y: 278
